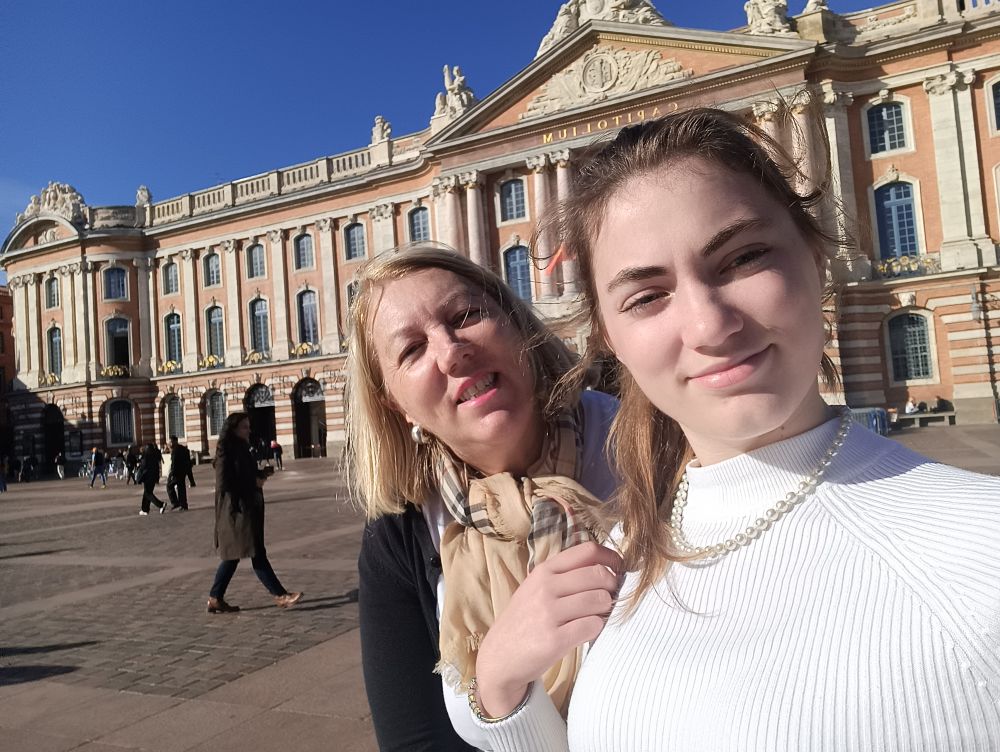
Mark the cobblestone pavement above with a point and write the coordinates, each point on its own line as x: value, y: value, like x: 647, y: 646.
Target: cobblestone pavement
x: 94, y: 594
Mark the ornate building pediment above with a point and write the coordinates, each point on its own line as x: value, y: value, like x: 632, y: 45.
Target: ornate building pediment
x: 61, y: 199
x: 574, y: 14
x: 602, y: 73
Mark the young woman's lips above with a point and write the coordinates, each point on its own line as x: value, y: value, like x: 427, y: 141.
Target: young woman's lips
x: 734, y: 374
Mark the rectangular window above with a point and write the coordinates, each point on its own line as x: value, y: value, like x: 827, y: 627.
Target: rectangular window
x: 885, y: 128
x: 114, y: 284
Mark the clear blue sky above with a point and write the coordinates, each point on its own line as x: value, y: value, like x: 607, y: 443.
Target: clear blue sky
x: 184, y: 95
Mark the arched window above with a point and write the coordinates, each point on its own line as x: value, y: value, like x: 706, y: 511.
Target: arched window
x: 995, y: 92
x: 118, y: 353
x: 515, y: 266
x: 212, y: 268
x: 55, y: 351
x: 886, y: 130
x: 51, y: 292
x: 259, y: 326
x: 354, y: 241
x: 114, y: 283
x: 910, y: 347
x: 304, y: 252
x: 512, y: 200
x: 121, y: 423
x: 308, y: 319
x: 216, y: 404
x: 172, y: 336
x: 420, y: 224
x: 255, y: 261
x: 175, y: 417
x: 171, y: 279
x: 216, y: 338
x: 352, y: 292
x: 896, y: 215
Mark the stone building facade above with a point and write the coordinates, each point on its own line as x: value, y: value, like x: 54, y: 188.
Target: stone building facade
x: 135, y: 322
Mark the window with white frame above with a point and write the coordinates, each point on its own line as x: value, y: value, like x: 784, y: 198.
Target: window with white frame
x: 121, y: 423
x: 354, y: 241
x: 216, y: 404
x: 55, y: 351
x: 909, y: 345
x: 886, y: 127
x: 171, y: 278
x: 260, y: 327
x: 512, y: 200
x: 304, y: 258
x: 172, y: 336
x: 420, y: 223
x: 896, y: 217
x: 517, y: 271
x: 52, y: 292
x: 114, y: 283
x: 118, y: 351
x: 174, y: 412
x: 255, y: 261
x: 212, y: 268
x: 308, y: 318
x: 216, y: 337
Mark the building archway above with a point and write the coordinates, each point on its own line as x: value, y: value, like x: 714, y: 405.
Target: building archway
x: 309, y: 417
x: 259, y: 404
x: 53, y: 436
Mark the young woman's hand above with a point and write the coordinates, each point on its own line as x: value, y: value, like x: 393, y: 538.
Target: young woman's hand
x: 563, y: 603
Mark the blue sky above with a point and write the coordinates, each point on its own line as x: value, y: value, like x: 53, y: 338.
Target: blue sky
x: 184, y: 95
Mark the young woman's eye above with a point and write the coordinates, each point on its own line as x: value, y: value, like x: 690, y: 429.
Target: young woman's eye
x: 641, y: 302
x: 749, y: 258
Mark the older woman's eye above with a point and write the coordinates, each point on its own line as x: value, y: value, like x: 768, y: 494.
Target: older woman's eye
x: 470, y: 315
x: 409, y: 351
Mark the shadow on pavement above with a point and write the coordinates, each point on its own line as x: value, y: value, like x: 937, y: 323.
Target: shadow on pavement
x: 25, y: 674
x: 37, y: 553
x: 34, y: 650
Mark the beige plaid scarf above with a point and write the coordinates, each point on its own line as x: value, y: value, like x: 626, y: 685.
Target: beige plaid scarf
x: 503, y: 528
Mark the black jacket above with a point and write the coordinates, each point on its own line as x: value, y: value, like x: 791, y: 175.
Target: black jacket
x: 398, y: 570
x: 180, y: 461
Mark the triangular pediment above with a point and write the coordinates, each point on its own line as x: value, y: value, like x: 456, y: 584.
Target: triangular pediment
x: 606, y: 61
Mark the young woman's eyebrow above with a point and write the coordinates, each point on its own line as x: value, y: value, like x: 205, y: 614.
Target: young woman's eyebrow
x: 729, y: 232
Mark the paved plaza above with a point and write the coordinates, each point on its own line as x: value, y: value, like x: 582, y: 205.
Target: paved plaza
x: 105, y: 644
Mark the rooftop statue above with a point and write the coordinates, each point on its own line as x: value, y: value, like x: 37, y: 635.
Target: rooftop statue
x: 576, y: 12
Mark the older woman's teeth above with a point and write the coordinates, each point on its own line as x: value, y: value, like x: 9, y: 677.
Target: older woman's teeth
x: 480, y: 387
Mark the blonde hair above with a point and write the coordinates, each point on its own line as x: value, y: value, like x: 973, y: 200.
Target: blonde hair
x: 648, y: 447
x: 386, y: 469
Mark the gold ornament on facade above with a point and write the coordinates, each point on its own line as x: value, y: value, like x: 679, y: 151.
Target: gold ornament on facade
x: 210, y: 361
x: 304, y: 349
x: 170, y: 366
x: 114, y: 372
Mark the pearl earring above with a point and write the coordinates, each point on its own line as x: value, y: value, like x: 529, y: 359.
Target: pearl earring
x: 418, y: 435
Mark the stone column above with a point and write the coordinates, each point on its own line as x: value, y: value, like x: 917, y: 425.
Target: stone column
x: 570, y: 272
x: 279, y: 307
x: 330, y: 341
x: 965, y: 244
x: 234, y: 312
x: 448, y: 209
x: 91, y: 342
x: 192, y: 317
x: 68, y: 299
x: 803, y: 143
x: 473, y: 184
x: 32, y: 322
x: 16, y: 285
x: 147, y: 323
x: 765, y: 113
x: 543, y: 246
x: 383, y: 227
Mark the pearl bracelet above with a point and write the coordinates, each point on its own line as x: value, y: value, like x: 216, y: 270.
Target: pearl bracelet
x: 477, y: 711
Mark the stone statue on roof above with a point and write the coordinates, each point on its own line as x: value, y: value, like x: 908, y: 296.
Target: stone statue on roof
x: 574, y: 13
x: 381, y: 130
x: 768, y: 17
x: 55, y: 198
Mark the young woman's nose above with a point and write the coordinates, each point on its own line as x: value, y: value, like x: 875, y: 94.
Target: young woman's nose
x: 709, y: 319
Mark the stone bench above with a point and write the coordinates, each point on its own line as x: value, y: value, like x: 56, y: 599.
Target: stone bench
x: 924, y: 419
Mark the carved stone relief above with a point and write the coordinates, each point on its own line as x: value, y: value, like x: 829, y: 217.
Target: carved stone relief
x: 601, y: 73
x: 768, y: 17
x: 575, y: 13
x: 56, y: 198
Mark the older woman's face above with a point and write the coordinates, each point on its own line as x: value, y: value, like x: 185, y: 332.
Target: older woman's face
x: 454, y: 364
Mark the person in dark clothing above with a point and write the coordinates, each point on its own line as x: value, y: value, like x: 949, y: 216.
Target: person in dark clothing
x: 98, y: 467
x: 239, y: 516
x: 277, y: 452
x: 180, y: 469
x: 131, y: 463
x: 148, y: 473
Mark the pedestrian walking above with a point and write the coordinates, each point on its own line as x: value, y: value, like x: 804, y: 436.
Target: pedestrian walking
x: 276, y: 452
x: 98, y: 467
x: 239, y: 516
x: 148, y: 473
x: 131, y: 463
x: 60, y: 462
x: 180, y: 470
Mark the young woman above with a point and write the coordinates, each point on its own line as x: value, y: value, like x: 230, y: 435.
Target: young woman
x: 469, y: 476
x: 795, y: 582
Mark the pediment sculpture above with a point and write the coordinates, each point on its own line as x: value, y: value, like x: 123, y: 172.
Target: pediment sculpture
x: 575, y: 13
x: 55, y: 198
x: 768, y: 17
x: 601, y: 73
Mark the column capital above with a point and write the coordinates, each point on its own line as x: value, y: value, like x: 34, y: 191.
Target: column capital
x: 559, y: 158
x: 835, y: 99
x: 325, y: 224
x: 537, y: 163
x: 471, y: 179
x: 800, y: 101
x: 142, y: 264
x: 444, y: 184
x: 948, y: 82
x: 188, y: 254
x: 381, y: 212
x: 228, y: 245
x: 765, y: 111
x: 275, y: 236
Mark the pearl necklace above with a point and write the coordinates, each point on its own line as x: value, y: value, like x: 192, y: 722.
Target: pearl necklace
x: 791, y: 500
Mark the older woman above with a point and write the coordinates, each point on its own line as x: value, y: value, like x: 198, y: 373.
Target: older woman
x: 796, y: 582
x: 470, y: 476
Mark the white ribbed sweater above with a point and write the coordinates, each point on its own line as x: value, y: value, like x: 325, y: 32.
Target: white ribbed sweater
x: 868, y: 618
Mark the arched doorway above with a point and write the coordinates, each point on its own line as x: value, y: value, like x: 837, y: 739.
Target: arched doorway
x: 309, y: 415
x: 53, y: 436
x: 259, y: 404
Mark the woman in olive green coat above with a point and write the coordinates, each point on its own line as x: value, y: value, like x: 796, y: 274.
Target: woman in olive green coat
x: 239, y: 516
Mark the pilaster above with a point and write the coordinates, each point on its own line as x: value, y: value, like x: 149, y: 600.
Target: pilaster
x: 383, y: 227
x: 69, y: 300
x: 192, y: 318
x: 32, y: 325
x: 89, y: 297
x: 543, y: 245
x: 16, y: 285
x: 279, y: 306
x: 148, y: 323
x: 330, y: 333
x: 564, y: 187
x: 472, y: 182
x: 234, y: 314
x: 766, y: 115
